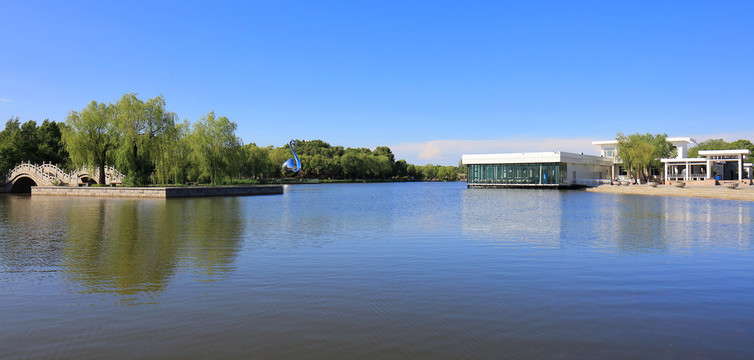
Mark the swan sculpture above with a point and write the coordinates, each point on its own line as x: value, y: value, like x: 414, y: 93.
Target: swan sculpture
x: 292, y: 166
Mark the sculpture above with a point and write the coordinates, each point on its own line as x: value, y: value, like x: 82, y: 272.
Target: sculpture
x: 292, y: 166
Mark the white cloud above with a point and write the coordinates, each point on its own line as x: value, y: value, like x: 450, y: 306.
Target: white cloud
x: 448, y: 152
x: 6, y: 100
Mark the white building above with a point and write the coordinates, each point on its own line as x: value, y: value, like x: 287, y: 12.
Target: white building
x: 555, y: 169
x: 609, y: 149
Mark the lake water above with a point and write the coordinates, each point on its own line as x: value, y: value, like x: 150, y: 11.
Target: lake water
x: 377, y: 271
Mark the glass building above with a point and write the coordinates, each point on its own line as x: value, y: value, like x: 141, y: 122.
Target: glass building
x: 542, y: 169
x: 518, y: 174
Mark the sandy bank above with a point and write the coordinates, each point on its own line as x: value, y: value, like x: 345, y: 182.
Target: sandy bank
x: 743, y: 193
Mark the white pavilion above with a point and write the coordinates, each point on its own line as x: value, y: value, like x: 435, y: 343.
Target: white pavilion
x: 715, y: 165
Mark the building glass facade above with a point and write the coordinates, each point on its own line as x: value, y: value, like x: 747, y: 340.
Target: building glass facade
x: 518, y: 174
x: 609, y: 152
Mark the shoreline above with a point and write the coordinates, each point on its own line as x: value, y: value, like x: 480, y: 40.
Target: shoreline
x: 745, y: 193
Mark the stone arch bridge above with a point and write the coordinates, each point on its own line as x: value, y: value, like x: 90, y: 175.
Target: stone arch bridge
x: 26, y: 175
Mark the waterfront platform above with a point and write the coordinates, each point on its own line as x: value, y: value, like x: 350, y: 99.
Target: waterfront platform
x: 742, y: 193
x: 525, y: 186
x: 157, y: 192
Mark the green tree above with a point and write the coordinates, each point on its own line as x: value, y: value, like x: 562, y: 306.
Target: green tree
x: 720, y: 144
x: 642, y: 152
x: 50, y: 146
x: 10, y: 156
x: 143, y: 127
x: 385, y: 151
x: 277, y: 157
x: 383, y: 166
x: 413, y: 172
x: 461, y: 168
x: 447, y: 173
x: 400, y: 168
x: 318, y: 165
x: 28, y: 142
x: 744, y: 144
x: 257, y: 161
x: 429, y: 172
x: 710, y: 144
x: 90, y: 136
x: 351, y: 163
x: 215, y: 147
x: 172, y: 156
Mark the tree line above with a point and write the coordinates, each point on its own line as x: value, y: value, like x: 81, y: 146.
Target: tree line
x: 720, y: 144
x: 320, y: 160
x: 28, y: 142
x: 149, y: 145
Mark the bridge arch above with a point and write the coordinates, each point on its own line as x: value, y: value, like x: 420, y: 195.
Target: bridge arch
x: 21, y: 180
x: 22, y: 185
x: 86, y: 179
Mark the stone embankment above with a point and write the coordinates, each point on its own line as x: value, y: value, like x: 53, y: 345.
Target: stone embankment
x: 158, y: 192
x: 743, y: 193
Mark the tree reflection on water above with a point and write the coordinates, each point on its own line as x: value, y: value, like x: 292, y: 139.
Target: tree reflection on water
x: 130, y: 247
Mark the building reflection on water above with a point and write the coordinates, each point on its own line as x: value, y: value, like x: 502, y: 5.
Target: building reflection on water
x: 623, y: 223
x: 514, y: 217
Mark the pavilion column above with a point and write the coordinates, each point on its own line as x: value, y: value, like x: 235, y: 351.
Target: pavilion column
x: 740, y: 167
x: 686, y: 177
x: 665, y: 174
x: 709, y: 169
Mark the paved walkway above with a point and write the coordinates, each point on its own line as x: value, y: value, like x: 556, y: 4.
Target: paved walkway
x: 743, y: 193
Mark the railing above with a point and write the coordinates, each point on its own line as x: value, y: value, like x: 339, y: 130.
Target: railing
x: 677, y: 177
x: 31, y: 169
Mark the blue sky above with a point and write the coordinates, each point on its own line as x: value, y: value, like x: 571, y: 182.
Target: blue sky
x: 430, y: 79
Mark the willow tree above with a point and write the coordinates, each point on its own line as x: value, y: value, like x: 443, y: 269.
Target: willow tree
x: 215, y: 148
x: 144, y: 127
x: 172, y: 158
x: 642, y: 152
x: 90, y: 136
x: 257, y: 163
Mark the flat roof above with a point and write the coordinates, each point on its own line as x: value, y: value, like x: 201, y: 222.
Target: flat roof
x: 684, y: 160
x: 709, y: 153
x: 535, y: 157
x: 681, y: 139
x: 605, y: 142
x: 725, y: 152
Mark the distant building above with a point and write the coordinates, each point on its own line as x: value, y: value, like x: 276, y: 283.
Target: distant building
x: 559, y: 169
x: 555, y: 169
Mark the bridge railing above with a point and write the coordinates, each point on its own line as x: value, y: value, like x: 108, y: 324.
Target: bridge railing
x: 48, y: 174
x: 30, y: 169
